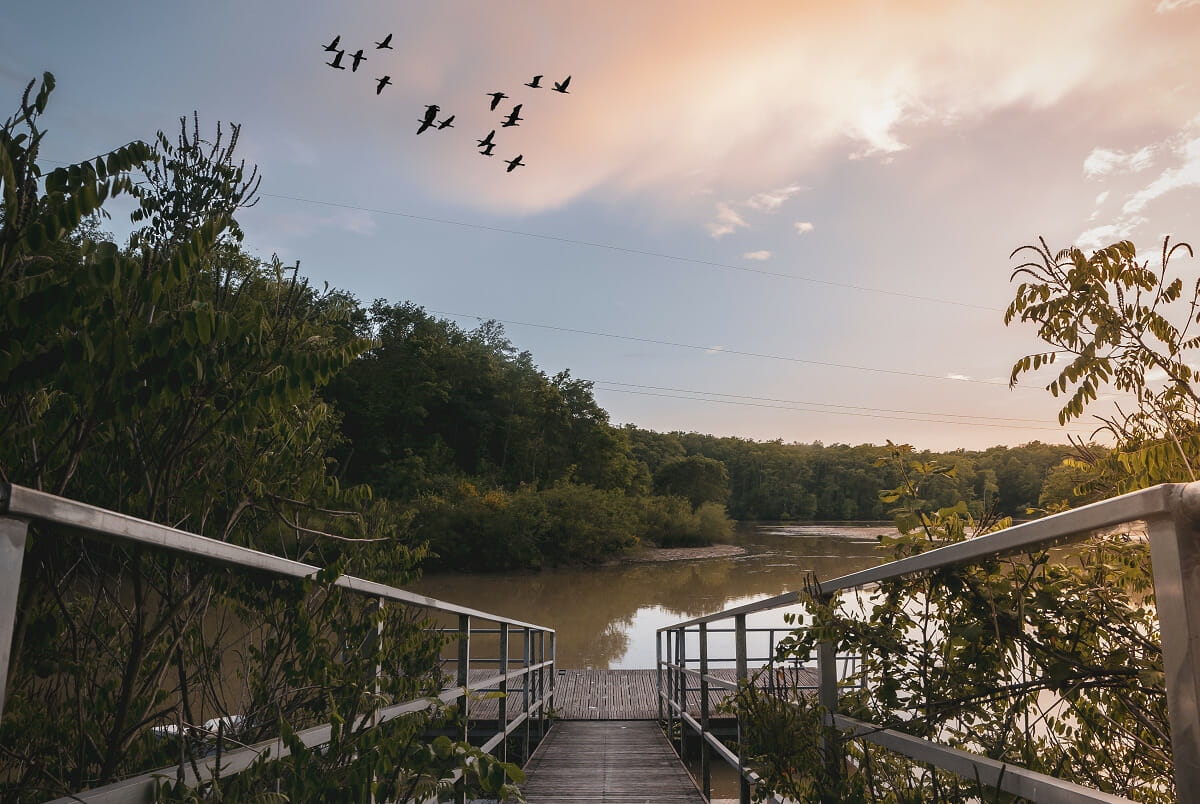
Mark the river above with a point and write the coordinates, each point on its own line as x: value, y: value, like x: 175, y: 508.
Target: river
x: 606, y: 617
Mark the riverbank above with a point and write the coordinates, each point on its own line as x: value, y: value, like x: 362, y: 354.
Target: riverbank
x: 649, y: 555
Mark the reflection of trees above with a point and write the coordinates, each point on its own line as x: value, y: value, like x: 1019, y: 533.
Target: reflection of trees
x: 592, y: 609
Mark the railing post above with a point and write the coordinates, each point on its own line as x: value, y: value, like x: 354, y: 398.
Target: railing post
x: 13, y: 533
x: 502, y: 717
x: 380, y: 603
x: 541, y: 681
x: 681, y: 689
x: 827, y: 697
x: 658, y: 661
x: 670, y: 685
x: 739, y: 647
x: 525, y: 681
x: 705, y: 770
x: 1175, y: 562
x: 464, y: 666
x: 553, y: 667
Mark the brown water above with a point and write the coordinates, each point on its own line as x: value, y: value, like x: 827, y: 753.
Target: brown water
x: 606, y: 617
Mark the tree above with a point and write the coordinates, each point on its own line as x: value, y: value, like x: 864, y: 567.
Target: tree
x: 695, y: 478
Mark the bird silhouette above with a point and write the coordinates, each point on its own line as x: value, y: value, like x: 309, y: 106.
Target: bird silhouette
x: 491, y: 146
x: 515, y: 163
x: 447, y: 123
x: 357, y: 58
x: 430, y: 114
x: 535, y: 83
x: 386, y: 44
x: 486, y: 142
x: 562, y: 87
x: 383, y: 82
x: 513, y: 117
x: 496, y: 98
x: 332, y: 46
x: 337, y: 61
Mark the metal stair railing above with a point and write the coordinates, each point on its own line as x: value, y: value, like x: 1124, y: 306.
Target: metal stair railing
x: 19, y: 506
x: 1172, y: 515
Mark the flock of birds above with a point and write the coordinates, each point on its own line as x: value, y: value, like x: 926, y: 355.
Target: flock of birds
x: 486, y: 145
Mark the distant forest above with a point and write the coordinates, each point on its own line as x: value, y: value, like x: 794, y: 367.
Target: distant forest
x: 503, y: 465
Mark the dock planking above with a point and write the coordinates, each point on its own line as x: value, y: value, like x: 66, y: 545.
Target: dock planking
x: 609, y: 762
x: 614, y: 694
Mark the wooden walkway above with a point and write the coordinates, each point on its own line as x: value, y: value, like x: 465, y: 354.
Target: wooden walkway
x: 607, y: 762
x: 611, y: 694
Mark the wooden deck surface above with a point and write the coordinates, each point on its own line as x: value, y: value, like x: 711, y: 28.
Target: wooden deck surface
x: 607, y: 762
x: 608, y: 695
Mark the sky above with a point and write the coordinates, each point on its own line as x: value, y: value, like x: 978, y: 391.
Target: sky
x: 773, y: 220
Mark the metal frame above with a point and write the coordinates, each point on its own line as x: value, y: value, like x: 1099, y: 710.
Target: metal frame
x: 1172, y: 514
x: 19, y: 506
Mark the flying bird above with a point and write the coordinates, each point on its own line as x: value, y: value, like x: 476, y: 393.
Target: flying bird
x: 357, y: 58
x: 491, y: 146
x: 486, y: 142
x: 496, y: 98
x: 337, y: 61
x: 332, y: 46
x: 513, y: 117
x: 562, y: 87
x: 535, y: 83
x: 447, y: 123
x: 430, y: 114
x: 515, y: 163
x: 383, y: 82
x: 386, y: 44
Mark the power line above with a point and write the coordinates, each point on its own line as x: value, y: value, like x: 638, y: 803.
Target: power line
x: 723, y: 350
x: 814, y: 404
x: 639, y: 252
x: 845, y: 412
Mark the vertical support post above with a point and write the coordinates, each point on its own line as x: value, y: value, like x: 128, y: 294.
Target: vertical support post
x: 502, y: 717
x: 827, y: 697
x: 771, y: 660
x: 670, y: 686
x: 525, y: 682
x: 739, y: 646
x: 682, y: 688
x: 375, y: 707
x: 464, y: 666
x: 553, y: 667
x: 1175, y: 562
x: 705, y: 770
x: 13, y: 533
x: 541, y: 683
x: 658, y: 675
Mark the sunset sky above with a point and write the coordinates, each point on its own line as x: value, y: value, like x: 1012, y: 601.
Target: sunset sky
x: 765, y: 219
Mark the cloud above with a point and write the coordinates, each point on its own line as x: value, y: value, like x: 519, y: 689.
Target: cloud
x: 1109, y: 233
x: 1100, y: 199
x: 712, y: 350
x: 757, y: 255
x: 1165, y: 6
x: 1174, y: 178
x: 774, y: 199
x: 803, y: 227
x: 728, y: 221
x: 963, y: 377
x: 1103, y: 162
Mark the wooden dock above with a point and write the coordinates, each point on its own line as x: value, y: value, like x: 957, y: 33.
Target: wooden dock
x: 612, y: 694
x: 607, y: 762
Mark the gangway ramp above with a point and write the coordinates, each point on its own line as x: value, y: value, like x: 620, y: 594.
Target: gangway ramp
x: 607, y: 762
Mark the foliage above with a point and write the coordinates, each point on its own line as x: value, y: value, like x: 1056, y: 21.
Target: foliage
x: 176, y: 380
x: 1119, y: 324
x: 1055, y: 657
x: 696, y: 478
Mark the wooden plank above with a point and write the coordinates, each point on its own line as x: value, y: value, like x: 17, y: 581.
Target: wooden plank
x: 613, y: 761
x: 612, y: 694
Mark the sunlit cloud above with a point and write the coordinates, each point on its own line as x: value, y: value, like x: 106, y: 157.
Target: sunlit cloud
x: 1109, y: 233
x: 1103, y: 161
x: 774, y: 199
x: 712, y: 350
x: 803, y: 227
x: 728, y: 221
x: 1186, y: 174
x: 757, y: 255
x: 1100, y: 199
x: 963, y: 377
x: 1165, y: 6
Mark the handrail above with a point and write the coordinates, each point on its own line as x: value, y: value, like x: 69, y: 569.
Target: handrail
x: 1172, y: 514
x: 19, y: 506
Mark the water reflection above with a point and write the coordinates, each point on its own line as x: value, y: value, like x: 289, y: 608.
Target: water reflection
x: 605, y: 617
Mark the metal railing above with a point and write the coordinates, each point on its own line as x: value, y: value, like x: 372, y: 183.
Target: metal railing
x: 534, y: 678
x: 1172, y: 516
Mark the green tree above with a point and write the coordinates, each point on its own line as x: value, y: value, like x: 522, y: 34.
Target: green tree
x: 695, y: 478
